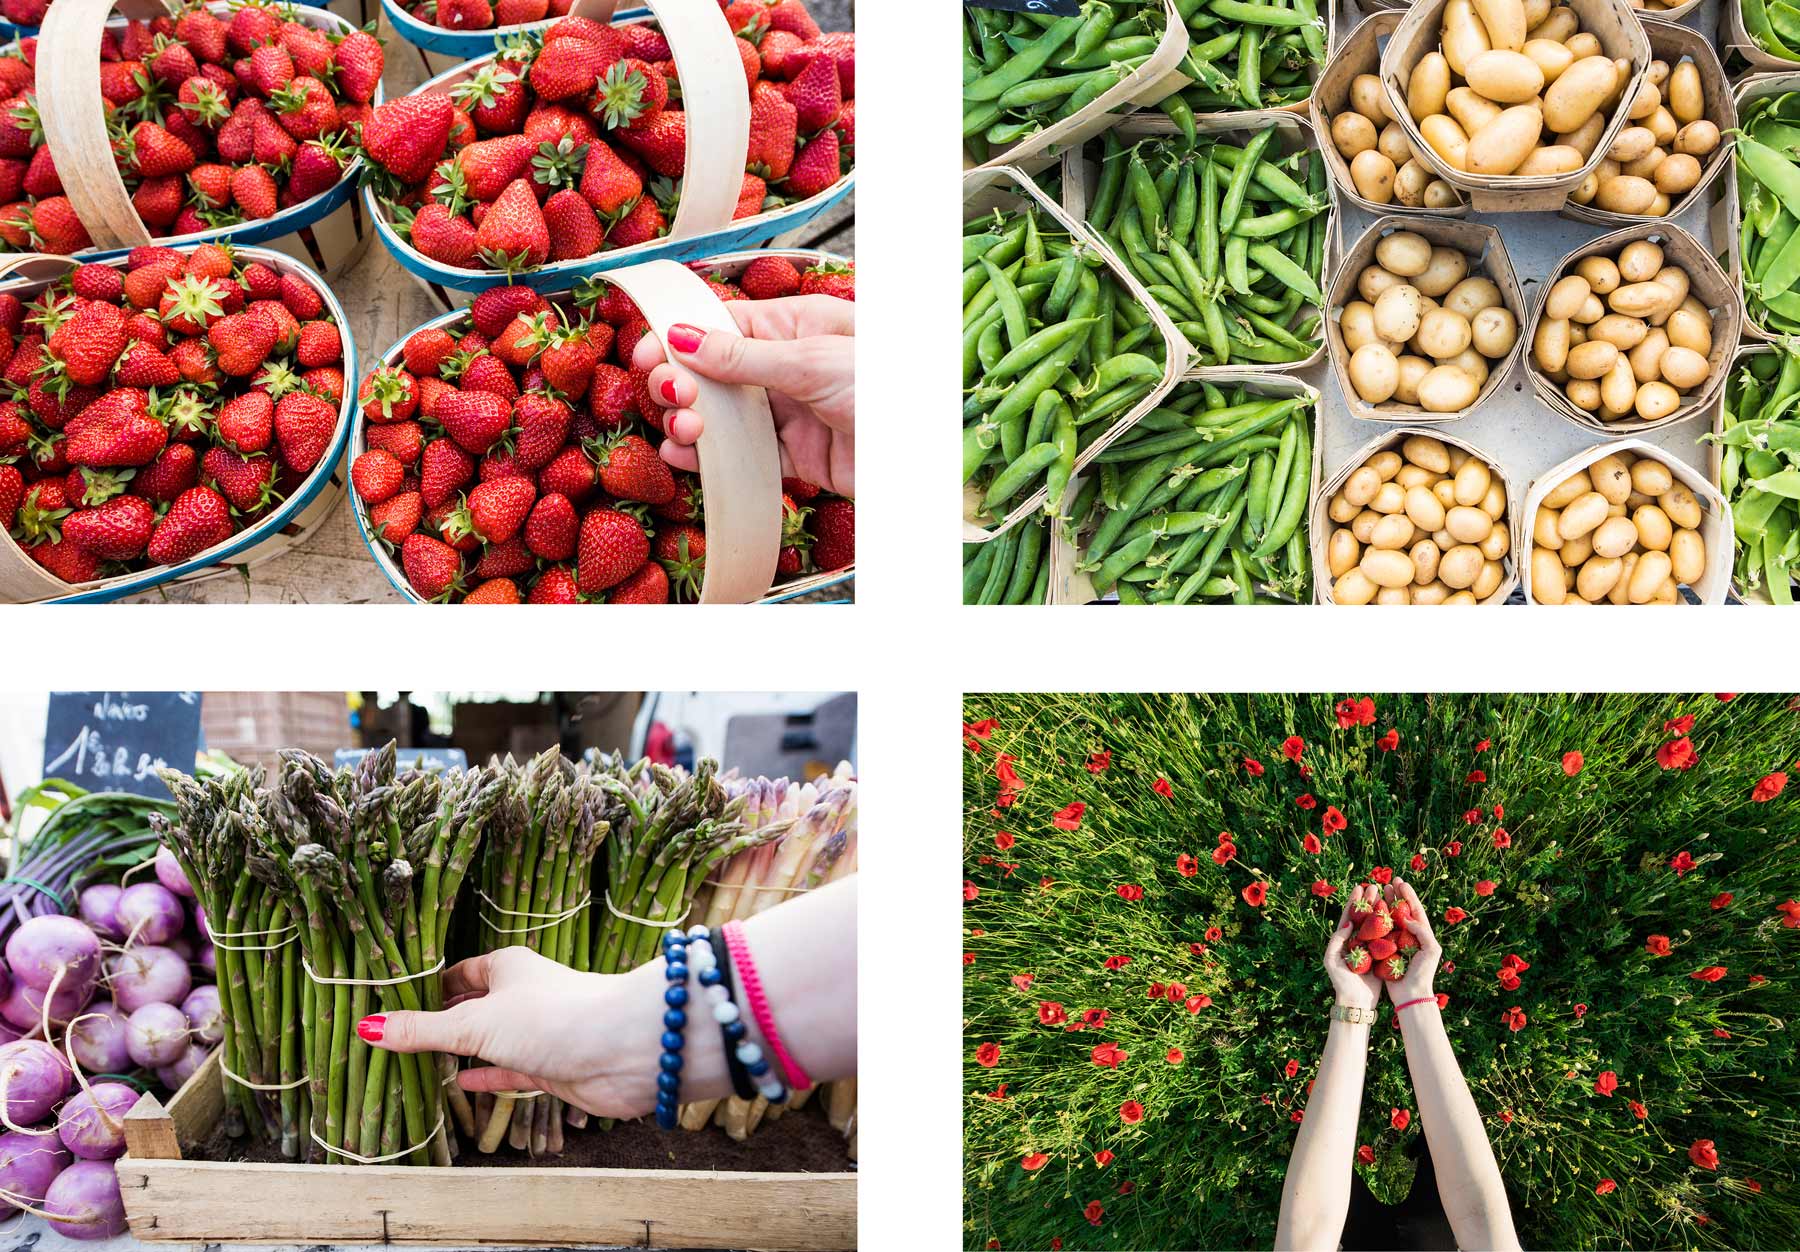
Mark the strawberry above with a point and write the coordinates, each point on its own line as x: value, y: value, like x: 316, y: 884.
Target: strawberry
x: 494, y: 590
x: 1378, y: 923
x: 465, y: 14
x: 175, y: 469
x: 830, y: 278
x: 97, y: 282
x: 571, y: 475
x: 12, y: 491
x: 66, y: 560
x: 1407, y: 942
x: 304, y: 425
x: 552, y: 529
x: 475, y: 419
x: 271, y: 69
x: 611, y: 397
x: 117, y: 530
x: 684, y: 505
x: 834, y: 537
x: 649, y: 585
x: 630, y: 469
x: 442, y: 236
x: 513, y: 235
x: 815, y: 95
x: 320, y: 344
x: 514, y: 12
x: 247, y: 482
x: 498, y: 509
x: 394, y: 519
x: 89, y: 342
x: 641, y: 223
x: 790, y: 560
x: 155, y: 152
x: 774, y: 131
x: 505, y: 560
x: 1358, y: 960
x: 682, y: 551
x: 376, y: 475
x: 629, y: 94
x: 494, y: 308
x: 360, y: 62
x: 404, y: 440
x: 56, y: 228
x: 487, y: 372
x: 123, y: 435
x: 242, y: 341
x: 433, y: 567
x: 254, y: 191
x: 660, y: 140
x: 426, y: 350
x: 405, y: 136
x: 791, y: 16
x: 612, y: 547
x: 816, y: 168
x: 326, y: 381
x: 574, y: 230
x: 556, y: 585
x: 608, y: 183
x: 388, y: 395
x: 489, y: 165
x: 804, y: 491
x: 543, y: 424
x: 1393, y: 969
x: 1382, y: 948
x: 199, y: 519
x: 247, y: 422
x: 203, y: 33
x: 572, y: 67
x: 770, y: 278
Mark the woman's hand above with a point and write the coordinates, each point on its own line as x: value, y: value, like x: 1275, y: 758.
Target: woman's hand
x: 1361, y: 991
x: 1421, y: 963
x: 801, y: 350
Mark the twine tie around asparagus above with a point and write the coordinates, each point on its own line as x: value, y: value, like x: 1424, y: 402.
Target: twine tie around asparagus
x: 369, y: 982
x: 548, y: 919
x: 262, y: 1086
x: 292, y: 933
x: 645, y: 921
x: 360, y: 1159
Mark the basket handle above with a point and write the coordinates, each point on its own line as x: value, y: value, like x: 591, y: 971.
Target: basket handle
x: 740, y: 462
x: 74, y: 121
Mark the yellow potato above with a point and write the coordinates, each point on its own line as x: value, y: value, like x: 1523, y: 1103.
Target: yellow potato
x: 1601, y: 272
x: 1404, y: 253
x: 1687, y: 98
x: 1433, y: 592
x: 1590, y: 312
x: 1472, y: 295
x: 1386, y: 568
x: 1662, y: 125
x: 1374, y: 373
x: 1584, y: 394
x: 1697, y: 139
x: 1581, y: 516
x: 1611, y: 478
x: 1646, y: 358
x: 1592, y: 359
x: 1653, y: 528
x: 1557, y: 27
x: 1441, y: 195
x: 1547, y: 585
x: 1535, y: 12
x: 1679, y: 503
x: 1394, y: 530
x: 1632, y: 143
x: 1428, y: 84
x: 1471, y: 363
x: 1618, y: 390
x: 1394, y: 145
x: 1582, y: 44
x: 1550, y: 345
x: 1683, y: 368
x: 1373, y: 175
x: 1625, y: 194
x: 1363, y: 524
x: 1552, y: 58
x: 1385, y: 464
x: 1677, y: 175
x: 1471, y: 110
x: 1640, y: 299
x: 1393, y: 595
x: 1447, y: 389
x: 1551, y: 159
x: 1544, y: 532
x: 1373, y: 281
x: 1494, y: 331
x: 1461, y: 36
x: 1505, y: 77
x: 1468, y: 525
x: 1497, y: 544
x: 1443, y: 334
x: 1639, y: 261
x: 1425, y: 555
x: 1446, y: 268
x: 1566, y: 296
x: 1341, y: 551
x: 1650, y: 478
x: 1647, y: 578
x: 1586, y: 189
x: 1503, y: 21
x: 1687, y: 329
x: 1446, y: 138
x: 1577, y: 550
x: 1647, y: 101
x: 1352, y: 133
x: 1412, y: 370
x: 1460, y: 566
x: 1361, y: 486
x: 1397, y: 312
x: 1644, y: 166
x: 1676, y: 280
x: 1687, y: 557
x: 1614, y: 537
x: 1597, y: 576
x: 1356, y: 323
x: 1426, y: 452
x: 1341, y: 510
x: 1502, y: 145
x: 1424, y: 510
x: 1624, y: 333
x: 1366, y: 98
x: 1353, y: 587
x: 1658, y: 72
x: 1656, y: 400
x: 1488, y: 580
x: 1578, y: 93
x: 1410, y: 181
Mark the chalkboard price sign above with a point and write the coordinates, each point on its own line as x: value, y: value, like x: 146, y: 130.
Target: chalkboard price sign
x: 117, y: 740
x: 1052, y: 8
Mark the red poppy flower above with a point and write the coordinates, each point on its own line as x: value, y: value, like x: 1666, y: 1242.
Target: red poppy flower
x: 1417, y: 863
x: 1292, y: 747
x: 1709, y: 973
x: 1214, y: 934
x: 1163, y: 788
x: 1127, y: 1187
x: 1093, y: 1212
x: 1506, y: 1116
x: 1757, y: 980
x: 1022, y: 981
x: 1639, y: 1111
x: 1790, y: 914
x: 1502, y: 840
x: 1389, y: 742
x: 1176, y: 991
x: 1606, y: 1187
x: 1097, y: 763
x: 1004, y: 841
x: 1033, y: 1161
x: 1322, y: 889
x: 977, y: 933
x: 1499, y: 812
x: 1103, y: 1157
x: 993, y: 1245
x: 1658, y: 945
x: 1606, y: 1083
x: 1108, y: 1055
x: 1719, y: 1033
x: 1253, y: 767
x: 1254, y: 894
x: 1509, y: 978
x: 1155, y: 991
x: 1484, y: 745
x: 1472, y: 817
x: 968, y: 959
x: 1365, y: 1154
x: 1513, y: 960
x: 1571, y: 763
x: 1096, y: 1017
x: 1580, y: 1011
x: 1297, y: 1116
x: 1196, y: 1003
x: 1681, y: 863
x: 1381, y: 874
x: 1485, y: 887
x: 1679, y: 725
x: 1223, y: 853
x: 987, y: 1055
x: 1130, y: 891
x: 1333, y: 820
x: 1006, y: 869
x: 1175, y: 1056
x: 1355, y: 713
x: 1702, y: 1153
x: 1727, y: 697
x: 1131, y: 1112
x: 1291, y: 1068
x: 1311, y: 844
x: 1050, y: 1013
x: 1514, y: 1019
x: 1475, y: 776
x: 1678, y: 754
x: 998, y: 1093
x: 1753, y: 1185
x: 982, y: 729
x: 1454, y: 915
x: 1443, y: 999
x: 970, y: 891
x: 1186, y: 865
x: 1069, y: 816
x: 1769, y: 787
x: 1307, y: 802
x: 1453, y: 848
x: 984, y: 860
x: 1400, y: 1119
x: 1449, y: 967
x: 1721, y: 900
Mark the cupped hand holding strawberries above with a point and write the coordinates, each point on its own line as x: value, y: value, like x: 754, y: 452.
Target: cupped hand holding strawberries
x: 1390, y: 939
x: 1350, y: 979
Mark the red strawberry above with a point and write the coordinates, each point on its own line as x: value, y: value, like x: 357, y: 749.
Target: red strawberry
x: 1408, y: 942
x: 568, y: 362
x: 475, y: 419
x: 271, y: 69
x: 199, y: 519
x: 556, y: 585
x: 487, y: 372
x: 830, y: 278
x: 661, y: 140
x: 612, y: 399
x: 243, y: 341
x: 304, y: 425
x: 816, y: 168
x: 513, y: 234
x: 124, y: 434
x: 489, y: 165
x: 630, y: 469
x: 89, y: 342
x: 144, y: 366
x: 513, y: 12
x: 504, y: 560
x: 1382, y: 948
x: 649, y: 585
x: 494, y: 590
x: 388, y: 395
x: 12, y: 491
x: 253, y: 189
x: 97, y: 282
x: 684, y: 506
x: 804, y: 491
x: 247, y: 482
x: 405, y: 441
x: 393, y: 520
x: 465, y: 14
x: 203, y: 33
x: 317, y: 167
x: 496, y: 307
x: 552, y: 528
x: 175, y: 469
x: 405, y: 136
x: 791, y: 16
x: 498, y: 509
x: 682, y: 551
x: 612, y: 547
x: 326, y: 381
x: 770, y: 278
x: 320, y: 344
x: 643, y: 222
x: 360, y: 62
x: 815, y: 95
x: 427, y: 350
x: 1376, y: 925
x: 433, y: 567
x: 571, y: 475
x: 377, y: 476
x: 572, y: 67
x: 608, y: 183
x: 117, y: 530
x: 67, y: 561
x: 834, y: 538
x: 543, y: 424
x: 1358, y: 960
x: 247, y: 422
x: 630, y: 94
x: 1393, y: 969
x: 442, y: 236
x: 574, y: 230
x: 774, y: 131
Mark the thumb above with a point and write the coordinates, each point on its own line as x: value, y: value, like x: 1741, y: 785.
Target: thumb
x: 454, y: 1030
x: 730, y: 358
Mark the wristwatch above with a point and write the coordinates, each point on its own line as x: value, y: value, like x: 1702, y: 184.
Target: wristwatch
x: 1352, y: 1014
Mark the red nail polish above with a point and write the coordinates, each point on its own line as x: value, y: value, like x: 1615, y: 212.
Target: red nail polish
x: 370, y: 1028
x: 668, y: 391
x: 685, y: 338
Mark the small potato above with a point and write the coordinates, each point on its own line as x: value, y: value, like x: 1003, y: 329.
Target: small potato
x: 1472, y: 295
x: 1652, y: 527
x: 1342, y: 551
x: 1647, y: 578
x: 1412, y: 370
x: 1488, y: 579
x: 1662, y: 125
x: 1611, y: 478
x: 1433, y: 592
x: 1411, y: 475
x: 1557, y: 27
x: 1567, y: 296
x: 1614, y: 537
x: 1687, y: 557
x: 1341, y: 510
x: 1357, y: 324
x: 1551, y: 57
x: 1591, y: 311
x: 1582, y: 44
x: 1639, y: 261
x: 1627, y: 564
x: 1577, y: 550
x: 1473, y: 478
x: 1373, y: 175
x: 1389, y: 498
x: 1374, y: 373
x: 1502, y: 145
x: 1503, y: 21
x: 1410, y: 181
x: 1373, y: 281
x: 1625, y: 194
x: 1441, y: 195
x: 1687, y: 329
x: 1687, y: 99
x: 1683, y: 368
x: 1497, y: 544
x: 1679, y: 503
x: 1427, y: 85
x: 1646, y: 165
x: 1547, y: 585
x: 1385, y: 464
x: 1677, y: 174
x: 1632, y: 143
x: 1425, y: 555
x: 1646, y: 358
x: 1586, y: 137
x: 1353, y: 587
x: 1446, y: 268
x: 1601, y: 272
x: 1403, y: 253
x: 1445, y: 491
x: 1624, y: 333
x: 1393, y: 595
x: 1443, y: 334
x: 1361, y: 486
x: 1470, y: 108
x: 1366, y: 98
x: 1429, y: 453
x: 1468, y: 525
x: 1494, y: 331
x: 1363, y: 525
x: 1676, y: 280
x: 1697, y: 139
x: 1597, y: 576
x: 1581, y: 516
x: 1424, y: 509
x: 1586, y: 189
x: 1462, y: 37
x: 1642, y: 298
x: 1555, y: 159
x: 1565, y: 493
x: 1544, y: 532
x: 1505, y: 77
x: 1550, y: 345
x: 1647, y: 101
x: 1398, y: 311
x: 1584, y: 394
x: 1656, y: 400
x: 1618, y: 390
x: 1460, y: 566
x: 1591, y: 359
x: 1650, y: 477
x: 1352, y: 133
x: 1448, y: 139
x: 1578, y: 92
x: 1394, y: 145
x: 1394, y: 530
x: 1447, y: 389
x: 1386, y: 568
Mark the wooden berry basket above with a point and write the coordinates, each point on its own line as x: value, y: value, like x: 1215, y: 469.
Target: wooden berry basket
x: 440, y: 50
x: 740, y: 470
x: 326, y: 232
x: 172, y: 1199
x: 717, y: 105
x: 23, y: 580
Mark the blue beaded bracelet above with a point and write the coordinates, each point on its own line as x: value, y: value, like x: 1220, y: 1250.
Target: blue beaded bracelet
x: 718, y: 996
x: 675, y: 996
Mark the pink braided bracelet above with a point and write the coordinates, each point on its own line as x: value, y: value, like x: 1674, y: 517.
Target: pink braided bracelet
x: 745, y: 969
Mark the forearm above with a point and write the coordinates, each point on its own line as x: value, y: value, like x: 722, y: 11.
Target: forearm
x: 1315, y: 1199
x: 1468, y: 1177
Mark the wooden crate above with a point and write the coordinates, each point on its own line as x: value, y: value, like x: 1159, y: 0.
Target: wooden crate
x: 168, y: 1198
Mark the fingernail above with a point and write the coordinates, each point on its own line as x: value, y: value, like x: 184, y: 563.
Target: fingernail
x: 668, y: 389
x: 370, y: 1028
x: 685, y: 338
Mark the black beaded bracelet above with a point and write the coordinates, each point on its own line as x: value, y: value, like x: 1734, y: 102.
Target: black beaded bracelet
x: 731, y: 1032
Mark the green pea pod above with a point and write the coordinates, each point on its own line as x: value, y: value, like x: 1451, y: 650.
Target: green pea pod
x: 1294, y: 499
x: 1262, y: 472
x: 978, y: 441
x: 1245, y: 592
x: 1006, y: 549
x: 1084, y: 501
x: 975, y: 570
x: 1026, y: 562
x: 1190, y: 586
x: 1181, y: 113
x: 1249, y: 80
x: 1056, y: 478
x: 1038, y: 347
x: 1144, y: 197
x: 1112, y: 178
x: 1283, y: 268
x: 1094, y: 29
x: 1040, y: 587
x: 1025, y: 63
x: 1062, y: 291
x: 1014, y: 478
x: 1240, y: 177
x: 1128, y: 555
x: 1042, y: 414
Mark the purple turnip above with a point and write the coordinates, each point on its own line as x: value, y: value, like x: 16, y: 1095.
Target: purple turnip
x: 207, y: 960
x: 24, y: 1006
x: 200, y: 922
x: 33, y: 1078
x: 155, y: 1034
x: 28, y: 1165
x: 148, y: 974
x: 92, y: 1123
x: 150, y: 913
x: 97, y: 1038
x: 99, y: 908
x: 84, y: 1202
x: 170, y: 874
x: 182, y: 947
x: 45, y: 949
x: 202, y: 1011
x: 173, y: 1076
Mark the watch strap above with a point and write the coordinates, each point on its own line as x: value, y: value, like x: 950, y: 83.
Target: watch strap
x: 1353, y: 1014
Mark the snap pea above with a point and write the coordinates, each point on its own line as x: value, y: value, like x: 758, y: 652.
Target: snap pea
x: 1032, y: 536
x: 1760, y: 471
x: 1024, y: 63
x: 1006, y: 548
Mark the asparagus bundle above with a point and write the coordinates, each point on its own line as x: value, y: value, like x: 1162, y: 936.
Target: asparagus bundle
x: 814, y: 842
x: 536, y: 877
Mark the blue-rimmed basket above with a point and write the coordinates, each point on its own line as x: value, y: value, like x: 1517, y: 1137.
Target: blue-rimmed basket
x: 356, y: 12
x: 23, y: 580
x: 440, y: 50
x: 327, y: 232
x: 717, y: 105
x: 740, y: 471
